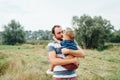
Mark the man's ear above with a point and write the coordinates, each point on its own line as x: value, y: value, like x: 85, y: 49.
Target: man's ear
x: 53, y: 35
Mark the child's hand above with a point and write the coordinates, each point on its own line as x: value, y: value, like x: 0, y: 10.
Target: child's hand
x: 65, y: 51
x: 54, y: 38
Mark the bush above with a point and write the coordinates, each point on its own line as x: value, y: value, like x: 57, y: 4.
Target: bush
x: 37, y: 42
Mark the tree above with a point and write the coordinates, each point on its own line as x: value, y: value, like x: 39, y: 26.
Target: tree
x: 91, y: 32
x: 0, y: 37
x: 13, y: 33
x: 115, y: 37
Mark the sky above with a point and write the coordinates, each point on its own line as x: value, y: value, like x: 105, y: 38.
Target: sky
x: 44, y: 14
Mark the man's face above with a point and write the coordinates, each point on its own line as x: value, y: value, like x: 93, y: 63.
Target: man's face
x: 58, y: 33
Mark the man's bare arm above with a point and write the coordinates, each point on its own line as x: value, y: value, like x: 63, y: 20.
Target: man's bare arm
x: 58, y: 61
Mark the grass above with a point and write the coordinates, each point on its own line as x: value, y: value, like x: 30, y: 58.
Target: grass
x: 3, y: 63
x: 30, y: 62
x: 6, y: 47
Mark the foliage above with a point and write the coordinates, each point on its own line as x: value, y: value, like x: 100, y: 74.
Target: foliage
x: 91, y: 32
x: 13, y: 33
x: 115, y: 37
x: 38, y: 35
x: 38, y: 42
x: 0, y: 37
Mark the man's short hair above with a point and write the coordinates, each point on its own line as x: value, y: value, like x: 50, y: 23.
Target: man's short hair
x: 53, y: 29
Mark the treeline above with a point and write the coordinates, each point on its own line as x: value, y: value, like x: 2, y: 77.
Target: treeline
x: 38, y: 35
x: 14, y: 33
x: 115, y: 36
x: 91, y: 32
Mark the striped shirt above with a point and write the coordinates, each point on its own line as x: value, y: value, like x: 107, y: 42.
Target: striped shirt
x: 59, y: 71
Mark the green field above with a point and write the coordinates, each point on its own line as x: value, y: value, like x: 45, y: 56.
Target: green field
x: 30, y: 62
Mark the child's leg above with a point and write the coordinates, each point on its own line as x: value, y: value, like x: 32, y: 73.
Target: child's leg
x: 50, y: 71
x: 52, y: 67
x: 69, y: 57
x: 70, y: 66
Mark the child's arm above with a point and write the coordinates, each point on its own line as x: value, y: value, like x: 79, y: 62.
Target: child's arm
x: 77, y: 53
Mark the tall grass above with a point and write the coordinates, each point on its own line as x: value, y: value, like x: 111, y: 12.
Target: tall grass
x: 30, y: 62
x: 3, y: 63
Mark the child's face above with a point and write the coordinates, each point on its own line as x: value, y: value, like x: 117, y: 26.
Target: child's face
x: 65, y: 36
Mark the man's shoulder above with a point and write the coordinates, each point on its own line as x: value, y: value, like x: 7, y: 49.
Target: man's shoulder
x: 52, y: 43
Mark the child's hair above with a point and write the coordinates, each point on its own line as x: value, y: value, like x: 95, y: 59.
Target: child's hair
x: 70, y: 33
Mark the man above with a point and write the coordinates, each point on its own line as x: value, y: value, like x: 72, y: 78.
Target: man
x: 59, y: 72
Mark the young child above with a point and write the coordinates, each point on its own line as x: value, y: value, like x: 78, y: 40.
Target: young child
x: 69, y: 43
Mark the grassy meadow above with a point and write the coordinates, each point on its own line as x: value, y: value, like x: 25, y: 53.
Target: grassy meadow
x: 30, y: 62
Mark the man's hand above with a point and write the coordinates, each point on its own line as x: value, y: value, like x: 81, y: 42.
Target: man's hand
x: 76, y: 61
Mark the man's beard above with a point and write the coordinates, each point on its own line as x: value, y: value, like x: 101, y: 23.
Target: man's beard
x: 59, y: 39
